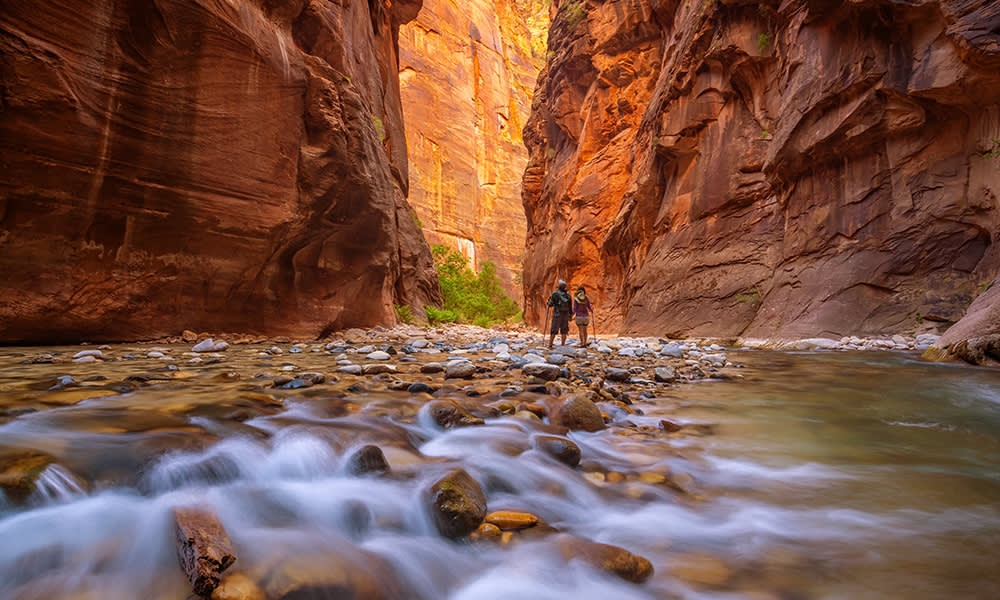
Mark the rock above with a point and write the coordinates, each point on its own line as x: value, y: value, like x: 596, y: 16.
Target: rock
x: 312, y: 377
x: 19, y: 472
x: 189, y: 336
x: 616, y: 374
x: 366, y: 349
x: 670, y: 208
x: 238, y: 586
x: 816, y: 344
x: 420, y: 387
x: 206, y: 345
x: 703, y: 569
x: 975, y: 338
x: 350, y: 369
x: 562, y: 449
x: 669, y: 426
x: 579, y: 413
x: 541, y: 370
x: 86, y: 353
x: 86, y: 359
x: 531, y: 357
x: 457, y: 369
x: 612, y: 559
x: 369, y: 459
x: 62, y: 382
x: 377, y: 368
x: 672, y: 351
x: 378, y: 355
x: 488, y: 530
x: 431, y: 367
x: 511, y: 520
x: 665, y: 374
x: 203, y: 548
x: 556, y: 359
x: 458, y: 504
x: 327, y: 575
x: 447, y: 414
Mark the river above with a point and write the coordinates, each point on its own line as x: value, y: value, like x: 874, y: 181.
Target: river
x: 817, y: 476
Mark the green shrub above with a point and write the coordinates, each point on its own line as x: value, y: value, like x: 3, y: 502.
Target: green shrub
x: 764, y: 41
x: 748, y: 295
x: 574, y: 12
x: 469, y: 297
x: 404, y: 313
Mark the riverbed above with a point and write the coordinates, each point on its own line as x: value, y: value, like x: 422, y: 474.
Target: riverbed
x: 807, y: 476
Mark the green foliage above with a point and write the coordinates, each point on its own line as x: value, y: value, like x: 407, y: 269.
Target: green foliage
x: 764, y: 134
x: 994, y: 151
x: 379, y: 127
x: 416, y: 220
x: 435, y: 316
x: 748, y: 295
x: 550, y: 152
x: 574, y: 12
x: 764, y: 41
x: 404, y: 313
x: 469, y: 297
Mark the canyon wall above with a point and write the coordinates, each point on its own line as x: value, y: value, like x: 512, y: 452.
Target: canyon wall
x: 467, y: 73
x: 219, y: 165
x: 767, y: 169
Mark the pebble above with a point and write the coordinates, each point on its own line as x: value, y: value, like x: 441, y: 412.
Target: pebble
x: 378, y: 355
x: 90, y: 358
x: 542, y: 370
x: 350, y: 369
x: 431, y: 367
x: 377, y: 368
x: 155, y: 355
x: 92, y: 353
x: 365, y: 350
x: 420, y: 388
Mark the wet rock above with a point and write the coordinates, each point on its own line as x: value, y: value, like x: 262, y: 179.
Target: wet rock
x: 459, y: 369
x: 448, y: 414
x: 189, y: 336
x: 562, y: 449
x: 210, y: 345
x: 669, y: 426
x: 431, y: 367
x: 330, y: 576
x: 488, y: 530
x: 579, y: 413
x: 294, y: 384
x: 62, y: 382
x: 512, y: 520
x: 238, y: 586
x: 378, y: 355
x: 368, y: 459
x: 612, y: 559
x: 350, y: 369
x: 203, y: 548
x: 458, y: 504
x: 703, y: 569
x: 19, y: 472
x: 41, y: 359
x: 420, y: 387
x: 86, y: 359
x: 86, y: 353
x: 377, y: 368
x: 542, y: 370
x: 665, y: 374
x: 616, y: 374
x: 312, y: 377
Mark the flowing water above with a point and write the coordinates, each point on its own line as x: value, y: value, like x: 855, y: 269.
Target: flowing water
x: 832, y: 476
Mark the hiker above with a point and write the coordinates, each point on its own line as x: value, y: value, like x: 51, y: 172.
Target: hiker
x: 582, y: 309
x: 562, y: 306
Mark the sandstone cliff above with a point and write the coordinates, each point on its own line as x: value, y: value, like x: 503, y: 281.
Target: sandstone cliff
x: 467, y: 73
x: 767, y: 169
x: 233, y: 165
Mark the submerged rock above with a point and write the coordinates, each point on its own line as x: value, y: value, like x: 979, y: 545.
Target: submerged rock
x: 562, y: 449
x: 18, y: 474
x: 512, y: 520
x: 238, y: 586
x: 369, y: 459
x: 448, y: 414
x: 457, y: 369
x: 542, y: 370
x: 613, y: 559
x: 458, y: 504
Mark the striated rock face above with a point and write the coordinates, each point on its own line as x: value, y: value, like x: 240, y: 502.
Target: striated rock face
x: 467, y: 73
x: 233, y: 165
x: 976, y: 337
x: 766, y: 169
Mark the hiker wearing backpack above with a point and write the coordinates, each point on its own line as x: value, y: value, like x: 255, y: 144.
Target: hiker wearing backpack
x: 562, y: 307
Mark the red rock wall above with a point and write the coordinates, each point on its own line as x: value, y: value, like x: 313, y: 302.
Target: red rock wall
x: 467, y: 70
x: 766, y: 169
x: 221, y: 165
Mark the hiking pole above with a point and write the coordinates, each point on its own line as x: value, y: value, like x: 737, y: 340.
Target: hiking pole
x: 545, y: 322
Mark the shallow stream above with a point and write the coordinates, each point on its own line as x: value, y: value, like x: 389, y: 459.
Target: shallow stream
x: 833, y: 476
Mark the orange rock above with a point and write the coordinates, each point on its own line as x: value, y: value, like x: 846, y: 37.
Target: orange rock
x: 509, y: 519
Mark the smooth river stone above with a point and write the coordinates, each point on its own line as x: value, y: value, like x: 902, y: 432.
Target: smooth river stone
x: 458, y: 504
x: 511, y: 520
x: 542, y: 370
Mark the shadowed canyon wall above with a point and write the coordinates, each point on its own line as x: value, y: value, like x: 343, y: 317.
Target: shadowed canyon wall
x: 467, y: 73
x: 220, y: 165
x: 766, y: 169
